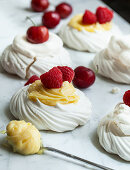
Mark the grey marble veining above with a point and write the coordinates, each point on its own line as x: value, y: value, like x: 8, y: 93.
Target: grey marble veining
x: 82, y: 141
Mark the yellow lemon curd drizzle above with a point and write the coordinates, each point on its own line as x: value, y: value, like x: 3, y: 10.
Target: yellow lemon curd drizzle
x: 23, y: 137
x: 76, y: 22
x: 64, y: 95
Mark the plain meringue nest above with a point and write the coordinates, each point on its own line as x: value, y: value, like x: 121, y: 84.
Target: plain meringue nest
x: 114, y: 61
x: 114, y: 132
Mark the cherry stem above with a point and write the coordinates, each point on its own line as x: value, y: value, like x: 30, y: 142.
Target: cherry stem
x: 28, y: 18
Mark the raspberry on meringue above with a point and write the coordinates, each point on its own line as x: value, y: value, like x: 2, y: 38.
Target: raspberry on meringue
x: 87, y: 37
x: 61, y: 109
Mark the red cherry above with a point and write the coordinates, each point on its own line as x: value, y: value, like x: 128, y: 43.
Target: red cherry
x: 84, y: 77
x: 51, y: 19
x: 39, y: 5
x: 126, y: 98
x: 37, y: 34
x: 64, y: 9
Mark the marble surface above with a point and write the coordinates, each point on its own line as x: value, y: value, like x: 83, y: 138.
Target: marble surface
x: 83, y: 141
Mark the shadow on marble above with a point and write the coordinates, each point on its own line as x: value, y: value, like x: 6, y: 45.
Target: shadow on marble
x: 69, y: 160
x: 8, y: 113
x: 53, y: 132
x: 8, y: 75
x: 95, y: 142
x: 26, y: 9
x: 4, y: 145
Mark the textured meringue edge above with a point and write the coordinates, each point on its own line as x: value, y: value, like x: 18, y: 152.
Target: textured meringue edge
x: 87, y: 41
x: 111, y: 132
x: 110, y: 64
x: 14, y: 61
x: 59, y: 118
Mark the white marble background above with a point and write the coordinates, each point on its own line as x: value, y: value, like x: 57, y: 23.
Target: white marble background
x: 83, y: 141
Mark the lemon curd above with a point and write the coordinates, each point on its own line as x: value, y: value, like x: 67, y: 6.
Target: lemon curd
x: 23, y: 137
x: 76, y: 22
x: 64, y: 95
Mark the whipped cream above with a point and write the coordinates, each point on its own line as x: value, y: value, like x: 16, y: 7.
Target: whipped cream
x: 87, y: 41
x: 114, y: 132
x: 26, y: 59
x: 59, y: 118
x: 114, y: 61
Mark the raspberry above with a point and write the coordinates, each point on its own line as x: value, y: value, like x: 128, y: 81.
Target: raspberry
x: 104, y: 15
x: 126, y: 98
x: 89, y: 17
x: 52, y: 78
x: 67, y: 73
x: 31, y: 80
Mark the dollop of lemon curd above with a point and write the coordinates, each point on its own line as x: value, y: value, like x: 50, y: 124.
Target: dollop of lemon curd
x: 23, y: 137
x: 76, y: 22
x: 64, y: 95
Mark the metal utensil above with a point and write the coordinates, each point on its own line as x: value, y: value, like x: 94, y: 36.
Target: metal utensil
x: 77, y: 158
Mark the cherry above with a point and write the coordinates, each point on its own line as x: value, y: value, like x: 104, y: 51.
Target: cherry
x: 31, y: 80
x: 51, y: 19
x: 39, y: 5
x: 64, y: 9
x: 84, y: 77
x: 126, y: 98
x: 37, y: 34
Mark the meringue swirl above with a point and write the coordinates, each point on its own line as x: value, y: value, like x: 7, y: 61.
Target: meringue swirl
x: 26, y: 59
x: 59, y: 118
x: 114, y: 132
x: 85, y: 40
x: 114, y: 61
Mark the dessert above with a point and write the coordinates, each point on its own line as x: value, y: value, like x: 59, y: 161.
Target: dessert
x: 23, y: 137
x: 25, y: 58
x: 114, y: 130
x: 52, y: 103
x: 114, y: 61
x: 89, y: 32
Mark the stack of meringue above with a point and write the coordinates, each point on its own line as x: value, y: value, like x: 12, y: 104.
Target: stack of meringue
x: 26, y: 59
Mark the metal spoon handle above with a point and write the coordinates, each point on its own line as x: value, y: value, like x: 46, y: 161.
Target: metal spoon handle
x: 77, y: 158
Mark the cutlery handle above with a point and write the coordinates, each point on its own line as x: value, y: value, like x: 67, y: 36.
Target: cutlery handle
x: 77, y: 158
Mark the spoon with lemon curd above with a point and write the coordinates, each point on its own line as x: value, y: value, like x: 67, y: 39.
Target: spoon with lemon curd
x: 25, y: 139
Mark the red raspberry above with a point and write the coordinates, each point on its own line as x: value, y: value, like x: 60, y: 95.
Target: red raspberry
x: 52, y: 78
x: 89, y: 17
x: 104, y: 15
x: 126, y: 98
x: 31, y: 80
x: 67, y: 73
